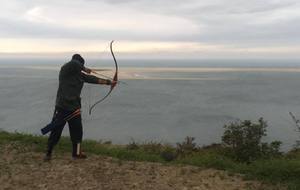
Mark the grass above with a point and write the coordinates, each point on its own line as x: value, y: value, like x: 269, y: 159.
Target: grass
x: 280, y: 170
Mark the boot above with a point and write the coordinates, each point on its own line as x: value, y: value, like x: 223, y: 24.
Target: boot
x: 47, y: 157
x: 77, y: 153
x: 79, y: 156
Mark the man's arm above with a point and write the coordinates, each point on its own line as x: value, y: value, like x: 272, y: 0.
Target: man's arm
x: 95, y: 80
x: 100, y: 80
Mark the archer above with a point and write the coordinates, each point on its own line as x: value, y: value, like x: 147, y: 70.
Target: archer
x: 72, y: 76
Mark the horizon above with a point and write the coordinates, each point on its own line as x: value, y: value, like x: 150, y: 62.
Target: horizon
x: 25, y: 60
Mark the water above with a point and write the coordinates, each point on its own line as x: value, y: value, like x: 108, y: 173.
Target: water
x: 194, y: 103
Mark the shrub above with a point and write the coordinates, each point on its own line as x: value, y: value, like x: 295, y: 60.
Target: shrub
x: 187, y: 147
x: 297, y: 123
x: 152, y: 147
x: 168, y: 153
x: 244, y: 141
x: 132, y: 145
x: 271, y: 150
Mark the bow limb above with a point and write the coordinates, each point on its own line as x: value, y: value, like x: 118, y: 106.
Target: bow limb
x: 114, y: 82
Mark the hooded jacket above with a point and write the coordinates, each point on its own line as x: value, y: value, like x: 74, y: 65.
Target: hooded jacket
x: 71, y: 81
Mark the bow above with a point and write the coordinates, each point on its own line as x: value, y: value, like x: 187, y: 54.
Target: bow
x: 115, y: 78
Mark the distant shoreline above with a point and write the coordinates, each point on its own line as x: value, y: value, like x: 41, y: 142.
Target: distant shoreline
x: 132, y: 73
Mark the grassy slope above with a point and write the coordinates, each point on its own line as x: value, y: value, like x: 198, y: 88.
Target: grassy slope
x: 284, y: 170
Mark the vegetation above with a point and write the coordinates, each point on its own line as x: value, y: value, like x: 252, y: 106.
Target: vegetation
x: 244, y: 140
x: 242, y: 151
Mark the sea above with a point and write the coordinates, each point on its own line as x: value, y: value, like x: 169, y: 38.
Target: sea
x: 162, y: 100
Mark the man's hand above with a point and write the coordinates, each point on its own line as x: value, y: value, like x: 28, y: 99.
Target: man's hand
x: 107, y: 82
x: 87, y: 70
x: 114, y: 83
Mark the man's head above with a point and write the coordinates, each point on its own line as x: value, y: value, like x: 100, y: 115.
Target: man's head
x: 78, y: 58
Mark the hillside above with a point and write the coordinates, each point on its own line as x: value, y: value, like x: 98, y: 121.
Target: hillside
x: 23, y: 168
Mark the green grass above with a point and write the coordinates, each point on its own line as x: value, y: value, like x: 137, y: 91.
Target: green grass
x: 38, y: 144
x: 281, y: 170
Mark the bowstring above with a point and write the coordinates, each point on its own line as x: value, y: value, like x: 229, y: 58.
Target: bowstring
x: 101, y: 55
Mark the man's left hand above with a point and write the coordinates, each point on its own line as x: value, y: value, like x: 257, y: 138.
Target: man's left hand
x: 114, y: 83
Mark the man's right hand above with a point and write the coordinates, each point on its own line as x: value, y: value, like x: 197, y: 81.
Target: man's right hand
x: 87, y: 70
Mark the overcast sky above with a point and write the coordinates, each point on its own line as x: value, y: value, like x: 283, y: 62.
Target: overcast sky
x: 186, y: 28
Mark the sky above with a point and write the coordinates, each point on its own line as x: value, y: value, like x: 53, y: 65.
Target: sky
x: 152, y: 28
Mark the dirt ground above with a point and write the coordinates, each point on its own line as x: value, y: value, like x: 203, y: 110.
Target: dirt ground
x: 26, y: 170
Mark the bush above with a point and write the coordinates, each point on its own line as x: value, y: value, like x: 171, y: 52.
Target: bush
x: 152, y: 147
x: 187, y: 147
x: 132, y: 145
x: 168, y: 153
x: 244, y: 141
x: 297, y: 123
x: 271, y: 150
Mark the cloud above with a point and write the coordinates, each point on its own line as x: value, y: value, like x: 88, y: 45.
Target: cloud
x: 231, y: 23
x: 36, y: 15
x: 94, y: 21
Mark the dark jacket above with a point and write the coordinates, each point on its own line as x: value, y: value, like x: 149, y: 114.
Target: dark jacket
x: 71, y: 81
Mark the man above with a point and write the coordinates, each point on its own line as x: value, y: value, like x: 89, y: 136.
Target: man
x: 72, y: 75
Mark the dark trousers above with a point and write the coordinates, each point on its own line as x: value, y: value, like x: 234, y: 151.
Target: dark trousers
x: 75, y: 129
